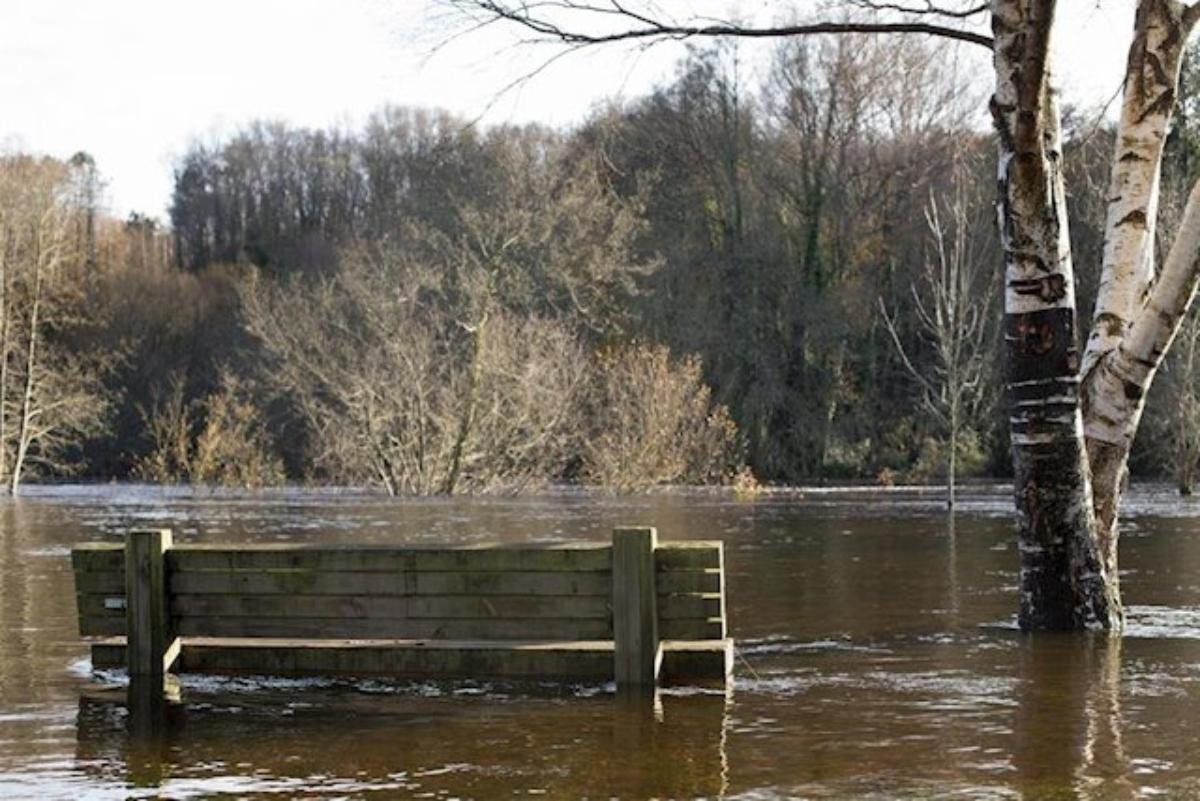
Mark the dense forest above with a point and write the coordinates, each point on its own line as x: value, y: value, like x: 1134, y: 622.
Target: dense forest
x: 788, y: 279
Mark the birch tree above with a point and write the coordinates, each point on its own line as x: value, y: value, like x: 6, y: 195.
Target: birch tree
x: 1073, y: 415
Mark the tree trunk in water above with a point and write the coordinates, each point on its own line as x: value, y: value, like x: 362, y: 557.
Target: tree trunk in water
x: 952, y: 458
x: 1119, y: 366
x: 1063, y: 582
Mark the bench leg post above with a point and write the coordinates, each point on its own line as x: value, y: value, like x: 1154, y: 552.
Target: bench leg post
x: 636, y: 648
x: 149, y: 643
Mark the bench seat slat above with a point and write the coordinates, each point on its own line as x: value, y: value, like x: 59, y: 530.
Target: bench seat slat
x: 712, y: 628
x: 390, y: 559
x: 672, y: 582
x: 688, y: 555
x: 434, y: 607
x: 684, y: 607
x: 334, y: 627
x: 580, y: 659
x: 320, y: 582
x: 108, y: 582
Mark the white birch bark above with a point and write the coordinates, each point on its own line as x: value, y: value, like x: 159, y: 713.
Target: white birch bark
x: 1120, y: 382
x: 1063, y: 582
x: 1114, y: 387
x: 1148, y: 99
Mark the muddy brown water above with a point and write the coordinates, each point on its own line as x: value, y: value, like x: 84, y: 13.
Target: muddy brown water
x: 877, y: 660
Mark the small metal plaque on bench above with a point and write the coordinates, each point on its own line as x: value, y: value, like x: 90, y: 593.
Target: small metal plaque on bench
x: 114, y: 603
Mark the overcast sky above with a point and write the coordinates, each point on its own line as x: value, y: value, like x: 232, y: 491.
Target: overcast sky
x: 134, y: 81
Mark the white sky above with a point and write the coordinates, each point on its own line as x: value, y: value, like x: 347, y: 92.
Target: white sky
x: 134, y: 81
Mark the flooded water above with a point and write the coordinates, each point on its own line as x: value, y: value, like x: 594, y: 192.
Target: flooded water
x: 877, y: 660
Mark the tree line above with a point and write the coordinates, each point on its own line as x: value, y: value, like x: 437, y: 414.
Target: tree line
x: 790, y: 278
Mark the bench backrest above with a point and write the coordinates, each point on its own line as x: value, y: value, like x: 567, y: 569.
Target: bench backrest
x: 502, y: 592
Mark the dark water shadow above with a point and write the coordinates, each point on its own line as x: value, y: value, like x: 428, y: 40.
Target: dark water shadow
x: 297, y: 742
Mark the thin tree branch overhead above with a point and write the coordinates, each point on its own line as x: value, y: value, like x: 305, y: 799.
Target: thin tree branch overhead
x: 580, y: 23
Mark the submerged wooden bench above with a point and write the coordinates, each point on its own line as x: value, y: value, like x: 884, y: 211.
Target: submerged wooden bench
x: 633, y: 610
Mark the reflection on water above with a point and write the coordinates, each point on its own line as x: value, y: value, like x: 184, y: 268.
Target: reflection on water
x: 399, y: 738
x: 877, y: 659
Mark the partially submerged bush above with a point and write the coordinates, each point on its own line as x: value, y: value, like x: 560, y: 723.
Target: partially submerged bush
x: 216, y: 439
x: 654, y: 423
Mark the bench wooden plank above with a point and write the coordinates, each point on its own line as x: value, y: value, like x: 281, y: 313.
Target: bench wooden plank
x: 87, y: 557
x: 436, y: 607
x: 687, y: 581
x: 688, y: 555
x: 108, y: 582
x: 308, y: 582
x: 436, y: 658
x: 336, y: 628
x: 391, y: 559
x: 683, y: 607
x: 98, y: 556
x: 315, y: 582
x: 712, y: 628
x: 109, y: 626
x: 691, y: 662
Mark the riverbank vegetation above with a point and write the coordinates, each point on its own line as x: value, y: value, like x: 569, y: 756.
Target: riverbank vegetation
x: 726, y: 278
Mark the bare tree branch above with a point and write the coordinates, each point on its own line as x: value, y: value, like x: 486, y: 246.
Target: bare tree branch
x: 538, y: 18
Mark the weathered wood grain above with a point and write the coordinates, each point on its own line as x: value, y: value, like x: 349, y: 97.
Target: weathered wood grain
x: 435, y: 607
x: 98, y: 556
x: 442, y: 659
x: 318, y: 582
x: 670, y: 582
x: 336, y: 628
x: 146, y: 617
x: 692, y: 629
x: 682, y: 607
x: 578, y: 660
x: 108, y: 626
x: 108, y: 582
x: 689, y: 555
x: 635, y: 619
x: 391, y: 559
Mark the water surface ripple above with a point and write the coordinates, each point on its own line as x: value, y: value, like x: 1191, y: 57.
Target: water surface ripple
x: 877, y: 659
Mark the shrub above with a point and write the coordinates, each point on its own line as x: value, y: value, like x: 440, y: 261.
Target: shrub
x: 654, y: 423
x: 216, y: 439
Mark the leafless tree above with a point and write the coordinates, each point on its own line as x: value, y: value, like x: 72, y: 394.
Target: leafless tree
x: 951, y: 304
x: 51, y: 396
x: 395, y: 390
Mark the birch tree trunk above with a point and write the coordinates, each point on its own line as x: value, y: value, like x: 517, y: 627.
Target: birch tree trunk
x: 1118, y: 367
x: 1063, y: 583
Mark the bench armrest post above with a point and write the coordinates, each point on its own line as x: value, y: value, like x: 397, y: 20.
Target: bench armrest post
x: 146, y: 621
x: 635, y: 617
